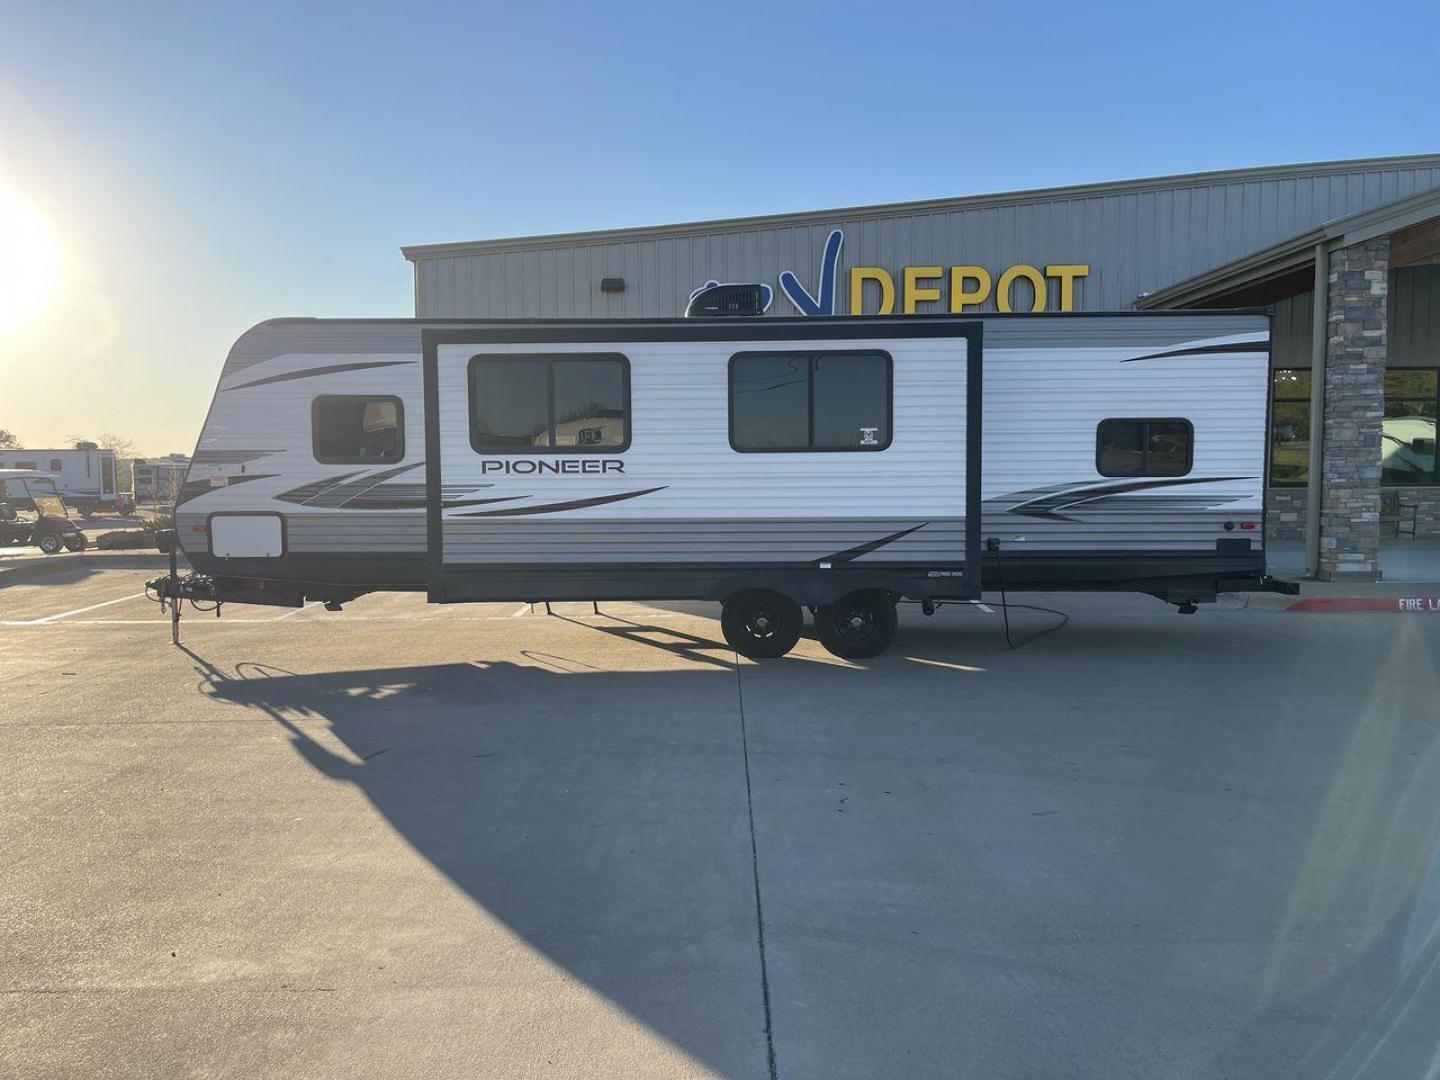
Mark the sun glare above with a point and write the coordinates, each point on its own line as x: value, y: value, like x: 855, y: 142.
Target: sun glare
x: 29, y: 262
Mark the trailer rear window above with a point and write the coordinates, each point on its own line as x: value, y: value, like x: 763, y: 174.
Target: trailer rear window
x: 565, y: 403
x: 808, y: 401
x: 355, y: 429
x: 1144, y: 447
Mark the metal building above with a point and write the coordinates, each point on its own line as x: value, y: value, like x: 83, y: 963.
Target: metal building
x: 1242, y: 237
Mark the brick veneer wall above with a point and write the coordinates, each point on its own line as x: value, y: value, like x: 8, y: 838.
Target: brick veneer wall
x: 1355, y: 348
x: 1285, y: 512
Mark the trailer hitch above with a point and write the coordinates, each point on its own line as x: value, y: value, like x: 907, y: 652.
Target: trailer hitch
x: 171, y: 590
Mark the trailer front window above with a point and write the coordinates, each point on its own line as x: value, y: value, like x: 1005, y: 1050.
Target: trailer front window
x: 353, y: 429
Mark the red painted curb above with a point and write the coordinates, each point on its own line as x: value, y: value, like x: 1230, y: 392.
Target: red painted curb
x: 1401, y: 604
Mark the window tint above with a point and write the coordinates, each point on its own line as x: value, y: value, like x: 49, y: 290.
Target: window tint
x: 589, y: 400
x: 531, y: 404
x: 1143, y: 447
x: 851, y: 402
x: 769, y: 402
x: 355, y: 429
x: 508, y: 404
x: 810, y: 401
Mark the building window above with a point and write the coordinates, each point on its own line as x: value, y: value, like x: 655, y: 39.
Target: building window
x: 356, y: 429
x: 1144, y: 447
x: 1290, y: 428
x: 550, y: 404
x: 1407, y: 434
x: 807, y: 401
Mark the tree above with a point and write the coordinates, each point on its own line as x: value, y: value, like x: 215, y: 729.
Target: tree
x: 9, y: 440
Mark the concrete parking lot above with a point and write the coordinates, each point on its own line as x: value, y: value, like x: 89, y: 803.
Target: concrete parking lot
x: 411, y: 841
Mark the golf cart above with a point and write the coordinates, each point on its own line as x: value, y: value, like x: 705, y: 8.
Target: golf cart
x: 32, y: 512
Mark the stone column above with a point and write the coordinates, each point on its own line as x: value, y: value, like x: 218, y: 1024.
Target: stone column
x: 1355, y: 348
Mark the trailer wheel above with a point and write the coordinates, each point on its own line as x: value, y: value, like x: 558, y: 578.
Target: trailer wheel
x: 76, y: 543
x: 50, y: 543
x: 761, y: 624
x: 857, y: 626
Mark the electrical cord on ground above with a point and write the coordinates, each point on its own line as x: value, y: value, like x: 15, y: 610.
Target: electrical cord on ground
x: 1005, y: 607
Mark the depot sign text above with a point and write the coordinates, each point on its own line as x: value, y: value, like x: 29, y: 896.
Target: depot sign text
x: 962, y: 288
x: 875, y: 291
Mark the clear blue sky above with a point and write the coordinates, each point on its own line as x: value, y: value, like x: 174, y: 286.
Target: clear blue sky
x: 203, y: 170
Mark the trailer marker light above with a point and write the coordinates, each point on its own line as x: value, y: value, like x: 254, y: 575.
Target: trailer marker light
x: 197, y: 528
x: 1247, y: 525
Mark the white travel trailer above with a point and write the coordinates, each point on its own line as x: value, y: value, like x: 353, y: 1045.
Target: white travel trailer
x: 773, y: 464
x: 85, y: 475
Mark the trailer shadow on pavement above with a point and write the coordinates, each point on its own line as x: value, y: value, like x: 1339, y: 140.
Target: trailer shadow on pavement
x: 1124, y: 854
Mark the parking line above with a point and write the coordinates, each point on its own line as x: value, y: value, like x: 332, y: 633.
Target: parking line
x: 983, y: 607
x: 77, y: 611
x: 524, y: 609
x: 287, y: 614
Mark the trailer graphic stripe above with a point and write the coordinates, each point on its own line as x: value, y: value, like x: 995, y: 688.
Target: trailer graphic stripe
x: 548, y: 508
x: 855, y: 552
x: 228, y: 457
x: 329, y: 369
x: 1201, y: 350
x: 193, y: 489
x: 1051, y: 505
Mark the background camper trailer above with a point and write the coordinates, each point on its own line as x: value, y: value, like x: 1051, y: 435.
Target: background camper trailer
x: 85, y: 475
x: 775, y: 464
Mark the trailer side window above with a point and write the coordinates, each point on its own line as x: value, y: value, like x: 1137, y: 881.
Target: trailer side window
x: 1144, y: 447
x: 565, y: 403
x: 357, y: 429
x: 793, y: 401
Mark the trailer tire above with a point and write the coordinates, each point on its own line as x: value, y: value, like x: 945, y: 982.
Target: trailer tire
x: 76, y: 543
x: 50, y: 543
x: 857, y: 626
x: 761, y: 624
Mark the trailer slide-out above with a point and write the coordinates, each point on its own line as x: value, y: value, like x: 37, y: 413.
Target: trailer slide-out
x: 775, y: 464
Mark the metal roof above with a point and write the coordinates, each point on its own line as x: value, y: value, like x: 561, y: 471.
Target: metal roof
x: 1296, y: 252
x: 885, y: 210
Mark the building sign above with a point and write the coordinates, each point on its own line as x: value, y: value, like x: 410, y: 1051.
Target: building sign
x: 873, y: 290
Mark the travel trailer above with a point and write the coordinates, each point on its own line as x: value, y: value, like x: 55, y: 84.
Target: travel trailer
x: 773, y: 464
x: 157, y: 480
x: 83, y: 474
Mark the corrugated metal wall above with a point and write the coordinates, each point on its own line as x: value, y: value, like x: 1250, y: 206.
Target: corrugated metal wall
x: 1136, y: 238
x: 1414, y: 314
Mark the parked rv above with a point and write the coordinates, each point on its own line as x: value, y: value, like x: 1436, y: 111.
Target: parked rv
x: 157, y: 480
x: 32, y: 512
x: 772, y: 464
x: 84, y: 475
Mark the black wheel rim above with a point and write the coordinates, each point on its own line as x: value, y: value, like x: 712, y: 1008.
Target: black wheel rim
x: 855, y: 624
x: 762, y: 623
